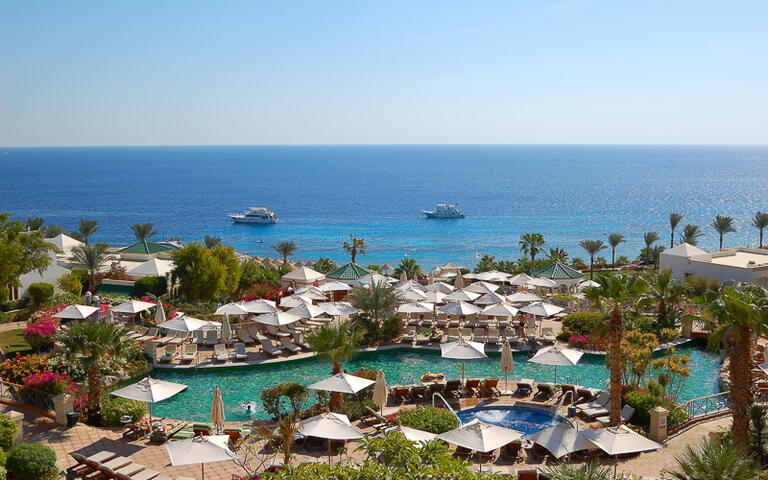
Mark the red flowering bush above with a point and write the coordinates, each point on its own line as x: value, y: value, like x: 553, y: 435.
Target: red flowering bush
x: 40, y: 333
x: 48, y: 382
x: 265, y: 290
x: 241, y: 477
x: 15, y: 370
x: 587, y: 342
x: 47, y: 313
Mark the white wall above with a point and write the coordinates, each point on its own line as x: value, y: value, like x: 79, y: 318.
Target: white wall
x: 50, y: 275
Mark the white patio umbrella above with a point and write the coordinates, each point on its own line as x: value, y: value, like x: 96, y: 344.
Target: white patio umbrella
x: 331, y: 426
x: 441, y: 287
x: 461, y: 296
x: 522, y: 297
x: 335, y: 309
x: 458, y: 282
x: 294, y: 301
x: 419, y: 436
x: 231, y: 309
x: 76, y: 312
x: 278, y: 318
x: 541, y: 282
x: 541, y: 309
x: 307, y: 310
x: 403, y: 277
x: 507, y: 364
x: 588, y: 283
x: 312, y: 292
x: 460, y: 308
x: 490, y: 299
x: 431, y: 278
x: 562, y: 439
x: 150, y: 390
x: 557, y: 356
x: 380, y: 390
x: 261, y: 306
x: 482, y: 288
x: 492, y: 276
x: 500, y: 310
x: 184, y: 323
x: 226, y: 330
x: 335, y: 287
x: 373, y: 277
x: 434, y: 297
x: 415, y: 307
x: 217, y: 410
x: 202, y: 450
x: 132, y: 306
x: 412, y: 295
x: 342, y: 383
x: 619, y: 441
x: 520, y: 280
x: 411, y: 285
x: 463, y: 350
x: 480, y: 437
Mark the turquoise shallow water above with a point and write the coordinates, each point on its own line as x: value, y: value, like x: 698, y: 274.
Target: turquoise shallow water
x: 244, y: 384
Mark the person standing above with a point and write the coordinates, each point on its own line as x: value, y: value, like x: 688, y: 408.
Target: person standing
x: 88, y: 298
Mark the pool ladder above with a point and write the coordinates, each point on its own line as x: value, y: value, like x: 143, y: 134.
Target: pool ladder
x: 450, y: 409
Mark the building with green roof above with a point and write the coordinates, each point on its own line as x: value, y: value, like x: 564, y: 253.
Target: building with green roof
x: 143, y: 251
x: 560, y: 273
x: 348, y: 273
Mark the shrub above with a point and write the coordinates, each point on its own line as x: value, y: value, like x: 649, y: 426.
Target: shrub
x: 8, y: 430
x: 16, y: 369
x: 643, y: 401
x: 115, y: 407
x: 429, y: 419
x: 666, y: 335
x: 70, y: 283
x: 28, y: 461
x: 392, y: 327
x: 39, y: 334
x: 40, y: 292
x: 372, y: 329
x: 48, y: 382
x: 155, y: 285
x: 276, y: 400
x: 355, y: 409
x: 581, y: 323
x: 14, y: 304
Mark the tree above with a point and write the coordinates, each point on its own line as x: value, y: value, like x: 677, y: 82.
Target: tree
x: 335, y: 343
x: 76, y: 235
x: 736, y: 315
x: 92, y: 257
x: 34, y: 224
x: 650, y: 238
x: 667, y: 295
x: 410, y: 268
x: 620, y: 296
x: 20, y: 253
x: 205, y: 274
x: 378, y: 301
x: 285, y: 249
x: 760, y: 222
x: 592, y: 247
x: 354, y: 246
x: 325, y: 265
x: 691, y: 235
x: 674, y: 221
x: 614, y: 240
x: 530, y: 244
x: 486, y: 264
x: 50, y: 231
x: 92, y: 344
x: 211, y: 242
x: 722, y: 225
x: 143, y: 231
x: 87, y: 228
x: 715, y: 461
x: 590, y: 471
x: 557, y: 255
x: 70, y: 283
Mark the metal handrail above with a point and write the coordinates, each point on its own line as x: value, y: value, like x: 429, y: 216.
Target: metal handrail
x: 702, y: 408
x: 26, y: 395
x: 450, y: 409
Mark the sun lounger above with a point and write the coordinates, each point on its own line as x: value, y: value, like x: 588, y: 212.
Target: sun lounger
x: 453, y: 335
x: 199, y: 337
x: 452, y: 388
x: 472, y: 385
x: 117, y: 463
x: 211, y: 337
x: 547, y: 335
x: 240, y: 353
x: 138, y: 333
x: 479, y: 335
x: 167, y: 338
x: 270, y: 349
x: 466, y: 333
x: 189, y: 353
x: 151, y: 335
x: 220, y: 352
x: 435, y: 388
x: 418, y: 393
x: 423, y: 337
x: 161, y: 437
x: 602, y: 398
x: 285, y: 342
x: 169, y: 355
x: 298, y: 339
x: 524, y: 387
x: 598, y: 411
x: 242, y: 334
x: 146, y: 474
x: 409, y: 335
x: 437, y: 336
x: 493, y: 336
x: 626, y: 414
x: 87, y: 465
x: 400, y: 393
x: 180, y: 338
x: 527, y: 474
x: 490, y: 386
x: 379, y: 422
x: 586, y: 395
x: 202, y: 429
x: 544, y: 391
x: 513, y: 451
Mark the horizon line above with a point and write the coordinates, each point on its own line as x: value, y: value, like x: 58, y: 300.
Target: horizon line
x: 394, y: 145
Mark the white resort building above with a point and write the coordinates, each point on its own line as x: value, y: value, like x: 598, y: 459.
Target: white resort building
x: 740, y: 264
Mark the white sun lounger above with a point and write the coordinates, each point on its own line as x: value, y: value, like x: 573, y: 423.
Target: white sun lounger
x: 169, y: 355
x: 240, y: 353
x: 220, y: 352
x: 285, y: 342
x: 626, y: 414
x: 211, y: 337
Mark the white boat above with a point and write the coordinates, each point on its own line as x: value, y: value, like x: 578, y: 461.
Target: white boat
x: 444, y: 210
x: 255, y: 215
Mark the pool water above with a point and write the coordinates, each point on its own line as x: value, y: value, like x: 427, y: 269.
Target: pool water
x: 522, y: 419
x: 240, y: 385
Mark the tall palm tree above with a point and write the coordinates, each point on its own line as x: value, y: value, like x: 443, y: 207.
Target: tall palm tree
x: 34, y: 223
x: 50, y: 231
x: 335, y: 343
x: 736, y: 315
x: 211, y: 242
x: 715, y: 461
x: 92, y: 257
x: 557, y: 254
x: 325, y: 265
x: 666, y: 296
x: 691, y: 235
x: 354, y: 246
x: 530, y: 244
x: 378, y: 301
x: 410, y: 268
x: 722, y: 225
x: 87, y: 228
x: 143, y: 231
x: 620, y: 296
x: 592, y: 247
x: 614, y: 240
x: 90, y: 343
x: 674, y: 221
x: 589, y: 471
x: 285, y: 249
x: 760, y: 222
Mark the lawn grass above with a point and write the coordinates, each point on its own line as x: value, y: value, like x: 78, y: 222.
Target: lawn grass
x: 12, y: 341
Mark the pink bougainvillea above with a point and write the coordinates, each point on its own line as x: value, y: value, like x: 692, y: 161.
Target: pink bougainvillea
x: 40, y: 333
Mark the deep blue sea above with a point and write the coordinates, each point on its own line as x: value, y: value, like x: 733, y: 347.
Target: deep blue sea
x: 324, y: 193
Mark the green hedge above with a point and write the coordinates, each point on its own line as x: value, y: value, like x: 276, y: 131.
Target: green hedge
x: 643, y: 402
x: 115, y: 407
x: 40, y: 292
x: 28, y: 461
x: 429, y: 419
x: 579, y: 323
x: 154, y: 285
x: 8, y: 431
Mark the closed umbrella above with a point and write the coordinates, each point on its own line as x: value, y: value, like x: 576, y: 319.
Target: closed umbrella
x: 620, y: 440
x: 202, y: 450
x: 480, y: 437
x: 150, y: 390
x: 217, y: 409
x: 431, y: 278
x: 403, y: 277
x: 463, y: 350
x: 507, y: 364
x: 380, y: 391
x: 159, y: 313
x: 562, y: 439
x: 331, y: 426
x: 459, y: 282
x: 342, y: 383
x: 557, y: 356
x: 226, y: 330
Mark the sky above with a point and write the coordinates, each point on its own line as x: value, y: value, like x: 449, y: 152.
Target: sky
x: 395, y: 72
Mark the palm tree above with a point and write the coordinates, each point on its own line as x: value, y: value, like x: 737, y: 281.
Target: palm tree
x: 592, y: 247
x: 620, y: 296
x: 722, y: 225
x: 92, y: 257
x: 34, y: 223
x: 335, y: 343
x: 50, y: 231
x: 736, y: 315
x: 354, y: 246
x: 760, y: 221
x: 143, y: 231
x: 691, y: 235
x: 557, y: 254
x: 715, y: 461
x: 211, y: 242
x: 590, y: 471
x: 379, y: 300
x: 648, y: 253
x: 674, y: 221
x: 530, y: 244
x: 325, y: 265
x: 666, y: 294
x: 91, y: 343
x: 410, y: 268
x: 87, y: 228
x: 285, y: 249
x: 614, y: 240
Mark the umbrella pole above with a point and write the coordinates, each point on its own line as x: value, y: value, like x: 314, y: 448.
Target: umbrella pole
x: 555, y: 374
x: 150, y: 416
x: 202, y: 469
x: 462, y: 373
x: 329, y: 453
x: 615, y: 465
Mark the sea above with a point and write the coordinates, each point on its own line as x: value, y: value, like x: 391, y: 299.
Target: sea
x: 322, y: 194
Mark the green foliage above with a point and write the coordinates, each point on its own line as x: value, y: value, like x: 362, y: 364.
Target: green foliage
x: 698, y: 285
x: 115, y: 407
x: 691, y: 235
x: 277, y: 400
x: 285, y: 250
x: 40, y: 293
x: 355, y: 246
x: 8, y: 430
x: 590, y: 471
x: 20, y: 252
x: 392, y: 327
x: 427, y: 418
x: 70, y: 283
x: 580, y: 323
x: 143, y: 231
x: 86, y: 229
x: 28, y: 461
x: 378, y: 301
x: 355, y: 409
x: 157, y: 286
x: 50, y: 231
x: 636, y: 355
x: 410, y: 268
x: 644, y: 400
x: 325, y: 265
x: 36, y: 223
x: 486, y: 264
x: 715, y: 461
x: 211, y: 242
x: 370, y: 328
x: 206, y: 274
x: 92, y: 257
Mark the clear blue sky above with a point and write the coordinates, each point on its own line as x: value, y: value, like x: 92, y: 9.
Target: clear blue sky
x: 319, y: 72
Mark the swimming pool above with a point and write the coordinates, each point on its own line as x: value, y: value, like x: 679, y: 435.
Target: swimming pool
x: 402, y: 366
x: 523, y: 419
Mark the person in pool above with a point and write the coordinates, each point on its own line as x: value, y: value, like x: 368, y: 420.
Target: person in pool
x: 248, y: 410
